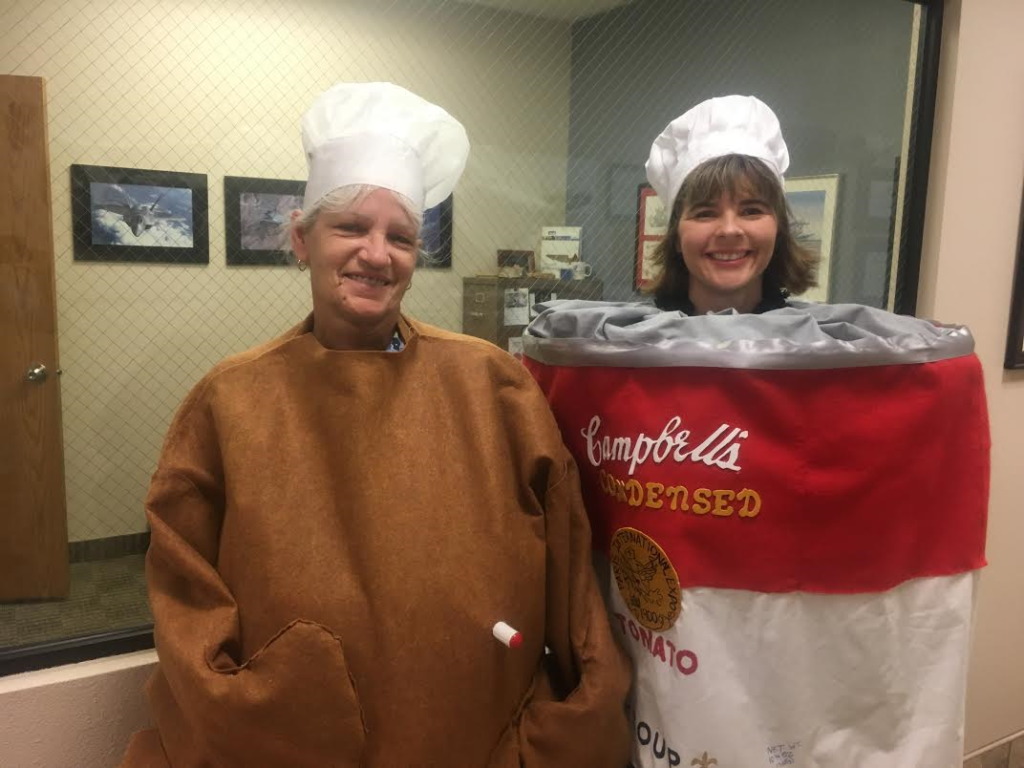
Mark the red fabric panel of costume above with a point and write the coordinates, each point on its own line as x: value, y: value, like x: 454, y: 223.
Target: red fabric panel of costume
x: 836, y: 481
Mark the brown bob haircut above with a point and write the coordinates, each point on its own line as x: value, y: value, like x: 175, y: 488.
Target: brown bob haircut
x: 792, y: 269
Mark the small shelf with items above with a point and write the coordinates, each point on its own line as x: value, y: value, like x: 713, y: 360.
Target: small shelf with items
x: 499, y: 308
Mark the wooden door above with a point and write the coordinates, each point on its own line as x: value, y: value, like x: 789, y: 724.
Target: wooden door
x: 33, y: 516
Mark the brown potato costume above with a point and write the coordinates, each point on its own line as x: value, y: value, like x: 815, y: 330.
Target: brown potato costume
x: 334, y: 534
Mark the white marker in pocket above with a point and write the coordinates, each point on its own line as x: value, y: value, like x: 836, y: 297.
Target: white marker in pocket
x: 507, y: 635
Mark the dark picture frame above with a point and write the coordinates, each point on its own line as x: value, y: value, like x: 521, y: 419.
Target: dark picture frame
x: 436, y: 235
x: 136, y: 215
x: 255, y: 214
x: 1015, y: 332
x: 651, y: 225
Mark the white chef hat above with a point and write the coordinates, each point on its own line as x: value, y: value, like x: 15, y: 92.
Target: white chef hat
x: 382, y: 135
x: 740, y: 125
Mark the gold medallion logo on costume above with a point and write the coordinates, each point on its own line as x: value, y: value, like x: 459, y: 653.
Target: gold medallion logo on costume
x: 646, y: 579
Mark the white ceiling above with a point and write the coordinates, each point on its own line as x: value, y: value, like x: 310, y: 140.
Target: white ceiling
x: 565, y: 10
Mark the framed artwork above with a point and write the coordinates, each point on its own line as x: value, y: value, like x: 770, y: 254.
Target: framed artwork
x: 812, y: 199
x: 1015, y: 334
x: 437, y: 236
x: 651, y: 225
x: 256, y: 212
x: 135, y: 215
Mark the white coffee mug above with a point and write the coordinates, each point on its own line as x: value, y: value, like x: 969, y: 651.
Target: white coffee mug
x: 581, y: 270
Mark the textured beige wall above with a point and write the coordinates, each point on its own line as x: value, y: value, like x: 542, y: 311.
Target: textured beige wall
x: 972, y: 223
x: 219, y: 88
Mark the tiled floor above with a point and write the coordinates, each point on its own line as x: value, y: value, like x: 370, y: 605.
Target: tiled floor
x: 105, y: 595
x: 1009, y: 755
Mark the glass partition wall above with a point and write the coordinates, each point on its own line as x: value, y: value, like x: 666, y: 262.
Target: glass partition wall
x: 174, y: 157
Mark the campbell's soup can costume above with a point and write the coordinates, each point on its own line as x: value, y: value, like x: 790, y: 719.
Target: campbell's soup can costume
x: 789, y: 517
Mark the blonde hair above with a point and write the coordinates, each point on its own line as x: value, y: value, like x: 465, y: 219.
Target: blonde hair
x: 792, y: 269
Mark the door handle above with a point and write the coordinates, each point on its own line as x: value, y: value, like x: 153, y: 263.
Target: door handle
x: 37, y: 373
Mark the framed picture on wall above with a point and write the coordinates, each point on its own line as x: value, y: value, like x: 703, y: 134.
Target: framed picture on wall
x: 651, y: 225
x: 256, y: 212
x: 812, y: 199
x: 136, y: 215
x: 1015, y: 334
x: 437, y: 236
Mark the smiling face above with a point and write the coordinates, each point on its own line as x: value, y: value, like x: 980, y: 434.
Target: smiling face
x: 717, y: 241
x: 726, y: 246
x: 361, y: 261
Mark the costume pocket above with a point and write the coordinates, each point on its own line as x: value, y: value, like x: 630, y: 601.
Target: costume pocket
x: 507, y: 752
x: 293, y: 703
x: 585, y: 727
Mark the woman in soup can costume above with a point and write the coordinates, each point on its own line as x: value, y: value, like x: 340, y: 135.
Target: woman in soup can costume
x: 788, y: 499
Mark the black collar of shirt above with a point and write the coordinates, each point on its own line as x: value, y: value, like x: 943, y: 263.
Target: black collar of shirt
x: 771, y: 298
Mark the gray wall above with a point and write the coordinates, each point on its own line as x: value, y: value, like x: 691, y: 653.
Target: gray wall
x: 834, y: 71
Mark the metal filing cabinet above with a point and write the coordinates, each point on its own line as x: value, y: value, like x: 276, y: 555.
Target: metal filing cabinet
x: 483, y: 302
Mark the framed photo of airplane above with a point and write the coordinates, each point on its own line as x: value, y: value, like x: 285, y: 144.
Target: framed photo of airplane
x: 255, y: 214
x: 135, y: 215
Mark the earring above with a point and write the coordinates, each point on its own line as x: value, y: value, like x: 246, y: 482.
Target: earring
x: 302, y: 265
